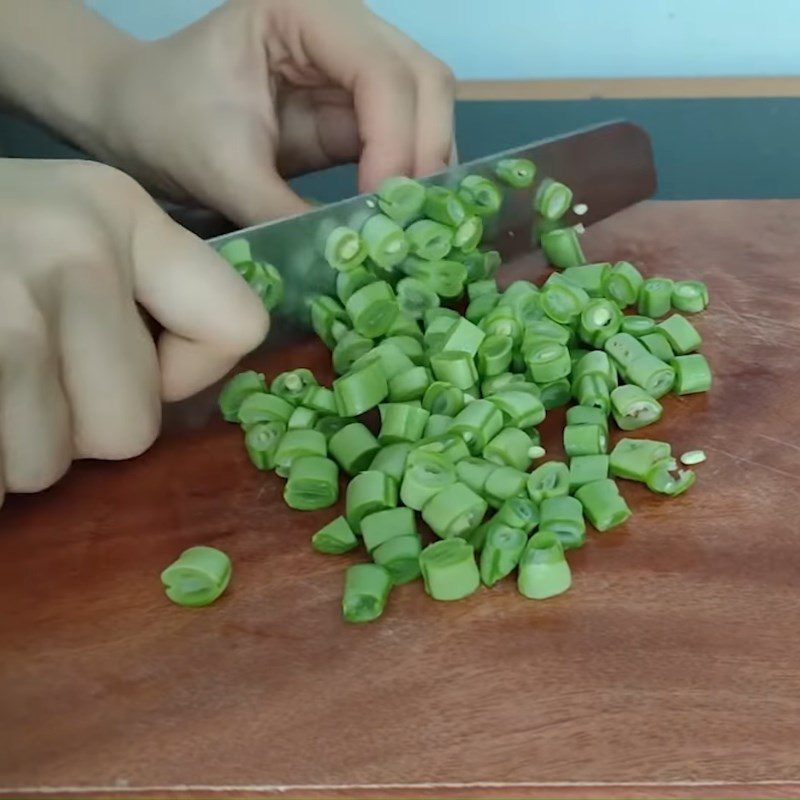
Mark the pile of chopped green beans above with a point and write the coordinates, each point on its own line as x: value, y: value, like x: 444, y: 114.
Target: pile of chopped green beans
x: 459, y: 396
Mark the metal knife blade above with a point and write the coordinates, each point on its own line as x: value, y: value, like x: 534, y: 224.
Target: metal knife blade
x: 608, y: 167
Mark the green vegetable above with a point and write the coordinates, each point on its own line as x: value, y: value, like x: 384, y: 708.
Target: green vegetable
x: 392, y: 460
x: 692, y: 374
x: 297, y: 444
x: 599, y: 321
x: 349, y: 349
x: 336, y: 537
x: 562, y: 300
x: 366, y: 590
x: 463, y: 336
x: 383, y: 525
x: 585, y: 440
x: 553, y: 199
x: 622, y: 284
x: 586, y: 469
x: 415, y: 297
x: 548, y: 362
x: 590, y: 277
x: 635, y: 458
x: 236, y: 390
x: 494, y: 355
x: 292, y: 386
x: 455, y: 367
x: 543, y: 569
x: 479, y: 195
x: 551, y: 479
x: 664, y: 477
x: 681, y: 334
x: 361, y: 390
x: 516, y: 172
x: 478, y: 422
x: 603, y: 504
x: 468, y: 234
x: 583, y: 415
x: 562, y: 248
x: 328, y: 314
x: 265, y: 280
x: 313, y: 483
x: 518, y: 512
x: 385, y: 241
x: 511, y: 447
x: 401, y: 199
x: 344, y: 249
x: 501, y: 552
x: 400, y: 557
x: 689, y: 296
x: 302, y: 418
x: 409, y: 385
x: 429, y: 240
x: 520, y: 409
x: 198, y: 577
x: 454, y: 511
x: 449, y: 570
x: 425, y: 478
x: 328, y: 426
x: 261, y: 442
x: 354, y: 448
x: 443, y: 398
x: 504, y: 483
x: 634, y: 408
x: 563, y: 516
x: 655, y: 297
x: 443, y: 206
x: 658, y: 345
x: 372, y: 309
x: 638, y: 326
x: 692, y: 457
x: 262, y: 407
x: 401, y: 423
x: 236, y: 251
x: 368, y: 492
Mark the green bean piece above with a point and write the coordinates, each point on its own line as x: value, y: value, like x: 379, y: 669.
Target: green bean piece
x: 372, y: 308
x: 681, y: 334
x: 624, y: 349
x: 354, y: 448
x: 543, y: 569
x: 658, y: 345
x: 692, y: 374
x: 487, y: 286
x: 655, y: 297
x: 349, y: 349
x: 475, y: 264
x: 381, y: 526
x: 548, y: 362
x: 445, y: 277
x: 597, y: 363
x: 468, y: 234
x: 592, y: 390
x: 330, y: 425
x: 563, y: 301
x: 499, y: 383
x: 391, y: 359
x: 603, y: 504
x: 348, y: 283
x: 634, y: 458
x: 518, y: 512
x: 501, y: 552
x: 401, y: 423
x: 502, y: 321
x: 665, y: 478
x: 302, y: 417
x: 576, y: 354
x: 236, y: 251
x: 361, y: 390
x: 385, y: 241
x: 449, y: 570
x: 313, y: 483
x: 638, y: 326
x: 409, y: 385
x: 401, y: 199
x: 563, y: 516
x: 491, y: 263
x: 298, y: 444
x: 447, y: 445
x: 511, y: 447
x: 454, y: 511
x: 562, y: 248
x: 651, y: 374
x: 429, y: 239
x: 556, y: 393
x: 478, y: 422
x: 463, y: 336
x: 325, y: 312
x: 474, y: 472
x: 586, y: 469
x: 265, y: 280
x: 335, y: 538
x: 428, y: 476
x: 404, y: 325
x: 366, y: 590
x: 440, y: 319
x: 400, y: 557
x: 553, y: 199
x: 479, y: 195
x: 293, y: 385
x: 551, y: 479
x: 634, y: 408
x: 437, y: 425
x: 392, y: 460
x: 590, y: 277
x: 583, y: 415
x: 477, y: 537
x: 516, y: 172
x: 411, y: 347
x: 494, y: 355
x: 368, y: 492
x: 415, y: 297
x: 519, y: 409
x: 502, y: 484
x: 689, y: 296
x: 623, y: 283
x: 480, y: 307
x: 599, y: 321
x: 344, y: 249
x: 692, y: 457
x: 585, y: 440
x: 261, y: 441
x: 443, y: 398
x: 442, y: 205
x: 263, y: 407
x: 236, y: 390
x: 544, y: 331
x: 319, y: 399
x: 198, y: 577
x: 455, y: 367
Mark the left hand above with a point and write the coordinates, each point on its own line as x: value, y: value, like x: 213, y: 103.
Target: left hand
x: 259, y: 90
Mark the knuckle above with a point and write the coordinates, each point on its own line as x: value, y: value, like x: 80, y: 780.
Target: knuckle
x: 129, y: 439
x: 36, y: 477
x: 23, y: 333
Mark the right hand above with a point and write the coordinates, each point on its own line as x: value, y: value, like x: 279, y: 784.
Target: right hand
x: 81, y: 245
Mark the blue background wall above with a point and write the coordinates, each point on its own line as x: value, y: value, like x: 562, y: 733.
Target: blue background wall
x: 563, y: 39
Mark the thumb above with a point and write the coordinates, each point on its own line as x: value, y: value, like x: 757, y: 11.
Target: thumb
x: 210, y: 315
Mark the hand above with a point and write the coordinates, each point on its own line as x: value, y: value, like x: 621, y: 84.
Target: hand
x: 80, y: 376
x: 260, y: 89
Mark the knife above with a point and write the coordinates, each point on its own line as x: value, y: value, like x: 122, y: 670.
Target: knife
x: 608, y: 167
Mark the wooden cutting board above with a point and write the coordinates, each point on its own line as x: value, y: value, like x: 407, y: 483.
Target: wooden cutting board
x: 671, y: 669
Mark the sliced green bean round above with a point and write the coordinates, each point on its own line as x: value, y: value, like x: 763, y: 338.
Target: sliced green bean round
x: 385, y: 241
x: 655, y: 297
x: 634, y: 458
x: 585, y: 440
x: 501, y: 552
x: 198, y: 577
x: 261, y: 442
x: 516, y: 172
x: 427, y: 477
x: 401, y: 422
x: 553, y: 199
x: 478, y: 422
x: 449, y: 570
x: 361, y: 390
x: 562, y: 248
x: 599, y: 321
x: 468, y: 234
x: 313, y: 483
x: 634, y: 408
x: 511, y: 447
x: 263, y: 407
x: 563, y: 516
x: 298, y: 444
x: 551, y: 479
x: 334, y: 538
x: 366, y: 590
x: 455, y: 367
x: 354, y: 448
x: 372, y: 309
x: 689, y: 296
x: 444, y: 206
x: 637, y: 325
x: 443, y: 398
x: 429, y: 239
x: 555, y: 393
x: 664, y: 477
x: 518, y: 512
x: 603, y: 504
x: 692, y: 374
x: 415, y: 297
x: 623, y: 283
x: 401, y: 199
x: 548, y: 362
x: 563, y: 301
x: 381, y: 526
x: 590, y: 277
x: 543, y: 569
x: 454, y: 511
x: 479, y: 195
x: 235, y: 391
x: 344, y: 249
x: 292, y: 385
x: 400, y: 557
x: 368, y: 492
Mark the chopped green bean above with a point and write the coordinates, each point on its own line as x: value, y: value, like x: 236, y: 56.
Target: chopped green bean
x: 468, y: 234
x: 556, y: 393
x: 328, y: 315
x: 487, y: 286
x: 592, y: 390
x: 391, y: 359
x: 330, y: 425
x: 449, y: 570
x: 349, y: 349
x: 429, y: 475
x: 665, y: 478
x: 401, y: 423
x: 634, y: 458
x: 651, y: 374
x: 385, y: 241
x: 692, y: 374
x: 585, y: 469
x: 319, y: 399
x: 236, y: 251
x: 198, y: 577
x: 562, y: 248
x: 477, y: 423
x: 512, y: 447
x: 516, y: 172
x: 585, y: 440
x: 445, y: 277
x: 401, y: 199
x: 494, y: 355
x: 681, y: 334
x: 344, y: 249
x: 372, y: 309
x: 464, y: 337
x: 499, y: 383
x: 366, y: 590
x: 599, y: 321
x: 655, y: 297
x: 634, y: 408
x: 437, y: 425
x: 638, y: 326
x: 474, y: 473
x: 313, y: 483
x: 415, y: 297
x: 689, y: 296
x: 454, y: 511
x: 518, y: 512
x: 519, y: 409
x: 455, y: 367
x: 368, y: 492
x: 583, y: 415
x: 553, y: 199
x: 551, y: 479
x: 562, y: 300
x: 354, y: 448
x: 302, y: 417
x: 501, y: 552
x: 624, y: 349
x: 298, y: 444
x: 359, y: 391
x: 548, y: 362
x: 404, y: 325
x: 443, y: 398
x: 265, y: 280
x: 479, y: 195
x: 590, y: 277
x: 603, y: 504
x: 429, y: 240
x: 409, y: 385
x: 334, y: 538
x: 381, y: 526
x: 563, y: 516
x: 392, y: 460
x: 623, y: 283
x: 692, y: 457
x: 658, y: 345
x: 448, y: 445
x: 348, y: 283
x: 544, y: 331
x: 262, y: 407
x: 293, y: 385
x: 236, y: 390
x: 543, y: 569
x: 502, y: 321
x: 400, y: 557
x: 502, y: 484
x: 444, y: 206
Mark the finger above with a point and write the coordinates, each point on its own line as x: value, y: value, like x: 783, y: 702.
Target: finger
x: 109, y: 367
x: 34, y: 419
x: 346, y: 49
x: 211, y: 315
x: 434, y: 142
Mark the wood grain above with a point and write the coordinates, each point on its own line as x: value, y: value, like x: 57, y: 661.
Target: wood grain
x: 670, y: 669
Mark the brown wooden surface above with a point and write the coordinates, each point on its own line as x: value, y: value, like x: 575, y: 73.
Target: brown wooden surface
x: 669, y: 670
